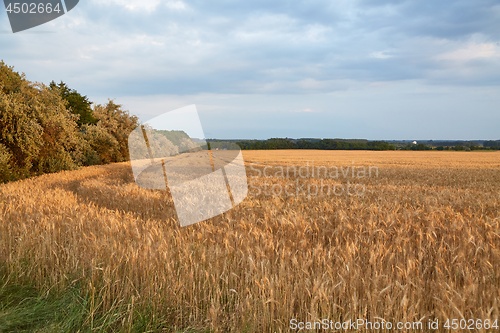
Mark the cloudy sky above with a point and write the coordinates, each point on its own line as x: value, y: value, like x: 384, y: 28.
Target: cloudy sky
x: 374, y: 69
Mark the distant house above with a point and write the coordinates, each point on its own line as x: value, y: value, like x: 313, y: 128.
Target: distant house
x: 414, y: 142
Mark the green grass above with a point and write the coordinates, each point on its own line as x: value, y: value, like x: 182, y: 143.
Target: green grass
x: 26, y: 309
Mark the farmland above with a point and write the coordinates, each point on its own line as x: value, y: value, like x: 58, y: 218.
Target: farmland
x: 417, y: 239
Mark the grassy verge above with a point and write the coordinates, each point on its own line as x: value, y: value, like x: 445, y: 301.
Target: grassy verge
x: 26, y: 309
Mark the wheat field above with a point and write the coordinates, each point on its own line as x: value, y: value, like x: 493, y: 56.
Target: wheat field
x: 417, y: 239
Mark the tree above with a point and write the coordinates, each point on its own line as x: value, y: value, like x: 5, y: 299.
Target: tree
x: 37, y: 132
x: 52, y: 128
x: 6, y: 170
x: 10, y: 80
x: 109, y: 137
x: 76, y: 103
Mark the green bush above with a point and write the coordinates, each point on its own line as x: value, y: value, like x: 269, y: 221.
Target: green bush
x: 52, y: 128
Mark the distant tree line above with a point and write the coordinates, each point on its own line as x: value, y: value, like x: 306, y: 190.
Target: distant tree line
x: 359, y: 144
x: 49, y: 128
x: 464, y: 146
x: 322, y: 144
x: 492, y: 144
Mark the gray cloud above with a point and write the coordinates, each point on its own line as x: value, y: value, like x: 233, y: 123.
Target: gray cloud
x: 124, y: 48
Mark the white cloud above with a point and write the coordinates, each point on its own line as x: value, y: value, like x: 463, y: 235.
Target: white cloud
x: 381, y: 55
x: 472, y: 51
x: 311, y: 84
x: 176, y: 5
x: 133, y: 5
x: 143, y: 6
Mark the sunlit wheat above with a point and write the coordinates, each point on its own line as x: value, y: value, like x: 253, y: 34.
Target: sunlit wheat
x: 422, y: 242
